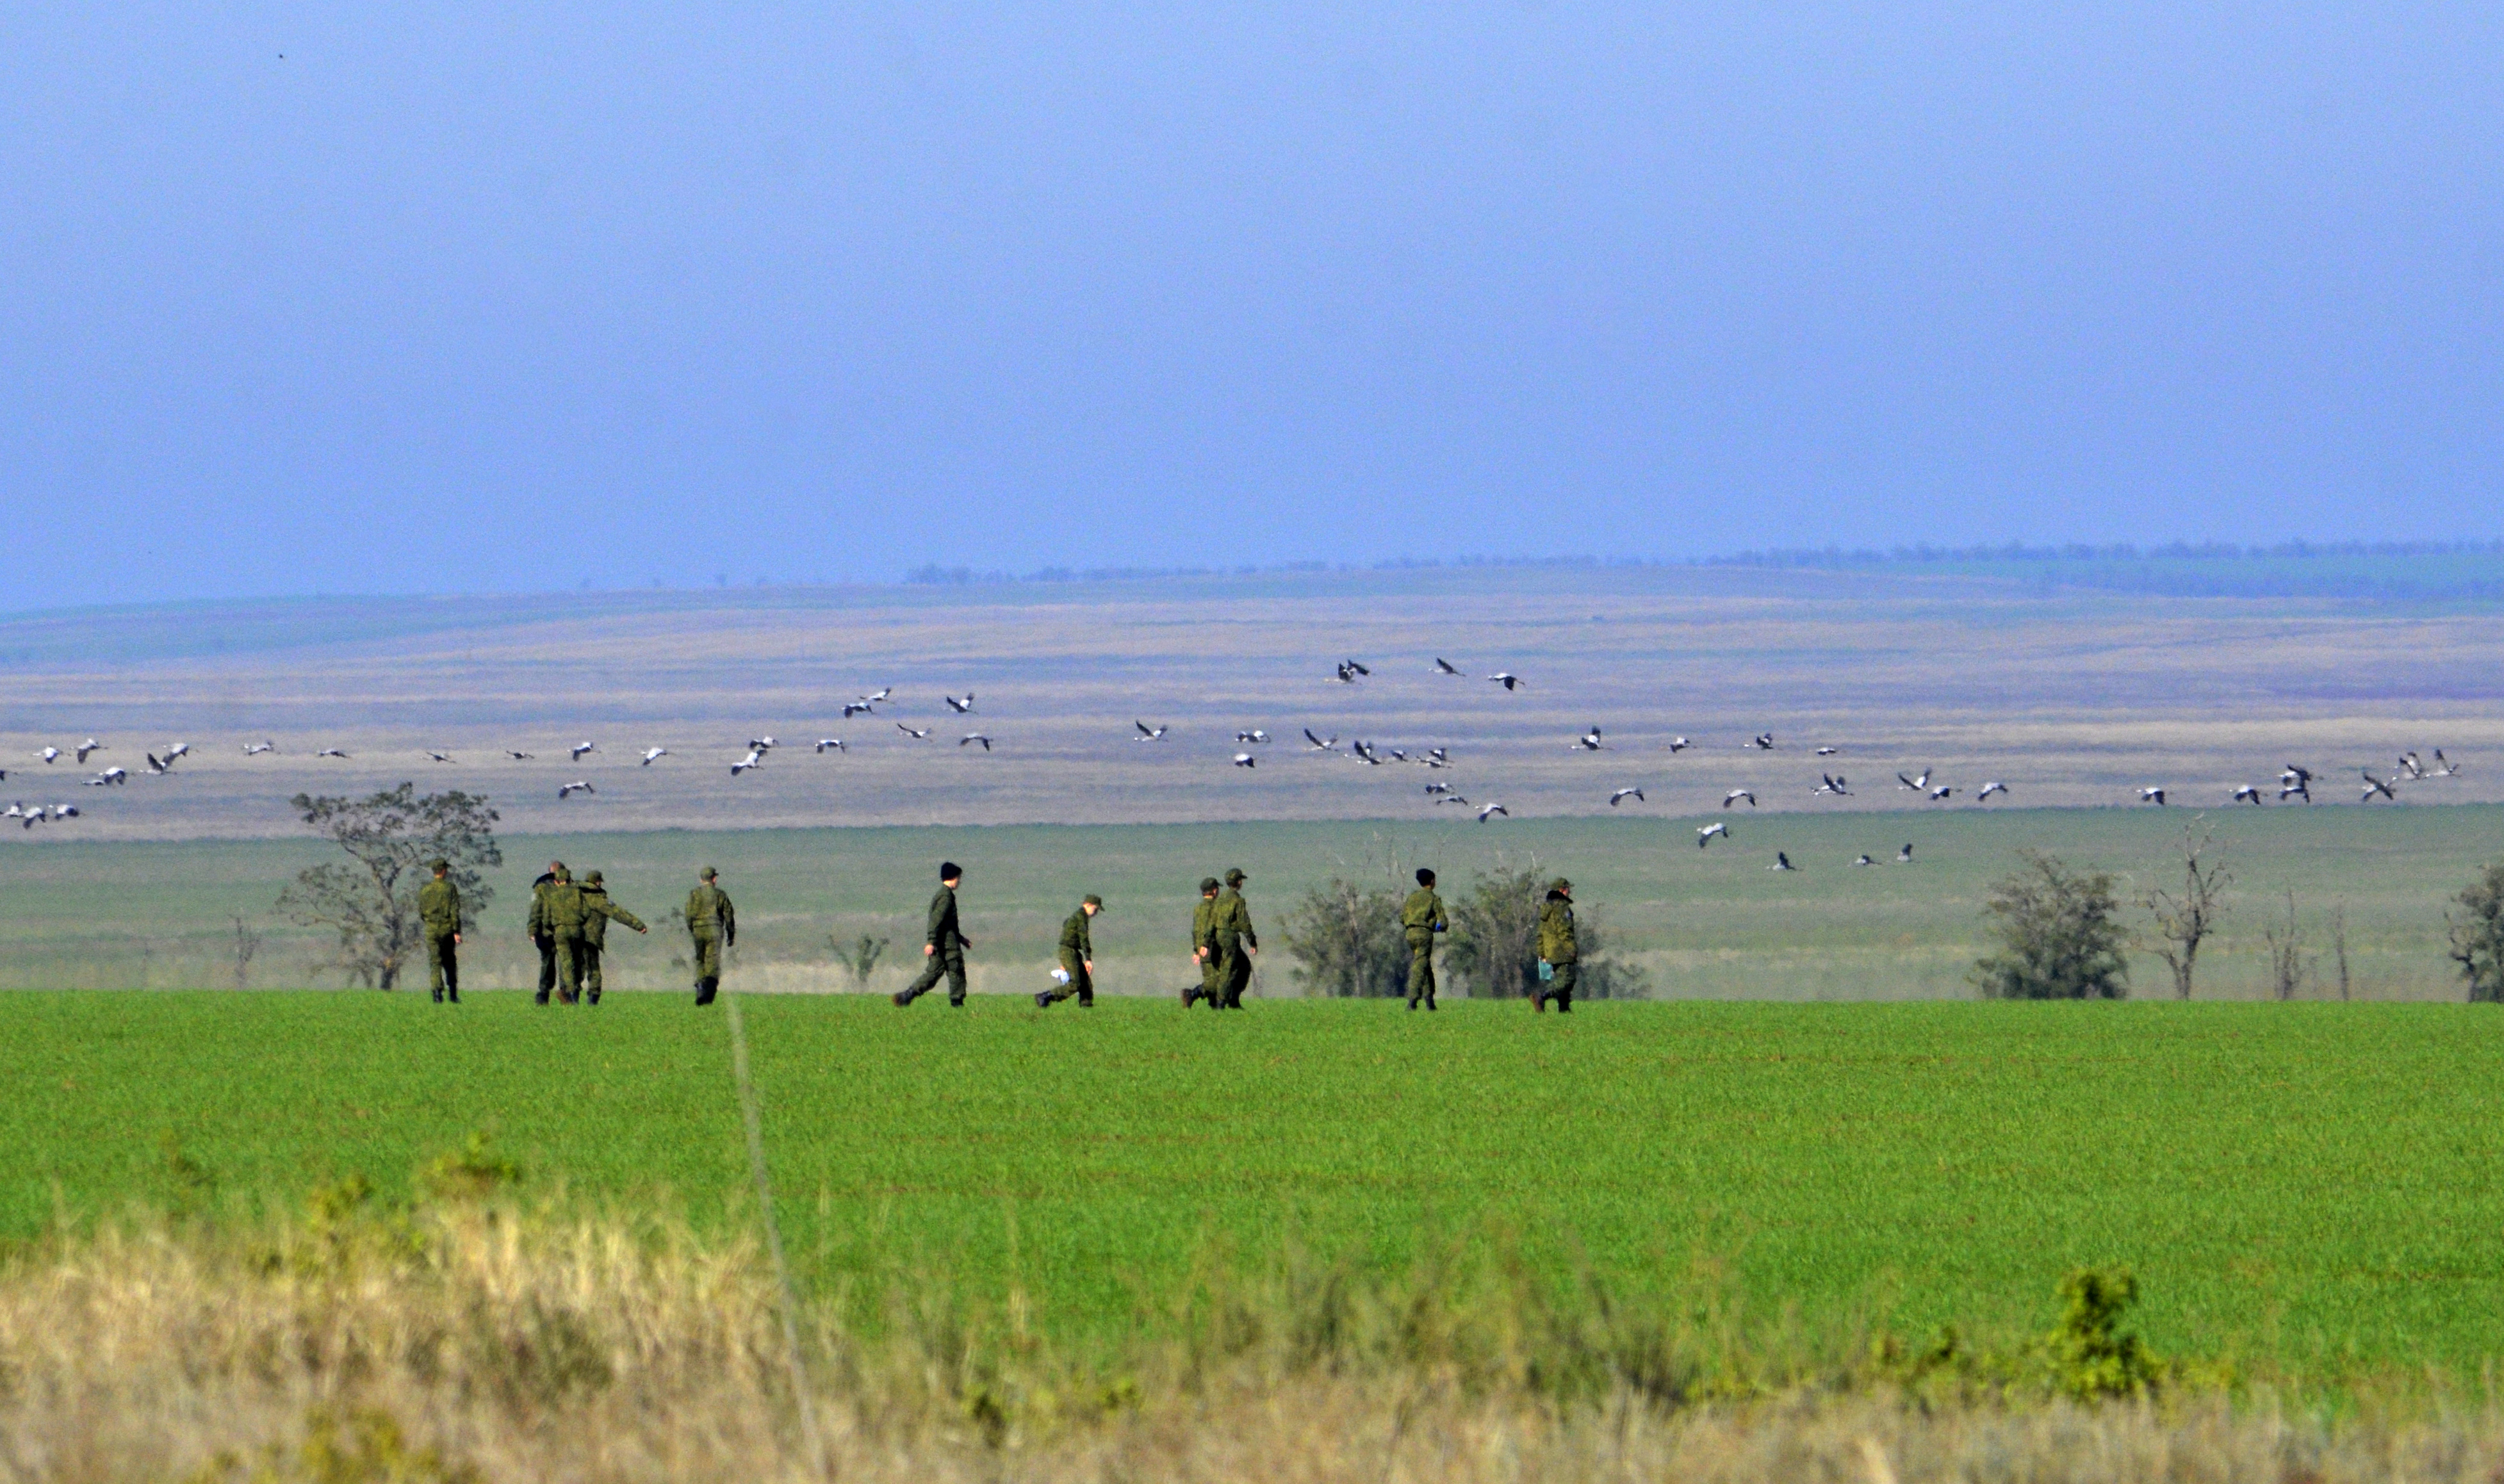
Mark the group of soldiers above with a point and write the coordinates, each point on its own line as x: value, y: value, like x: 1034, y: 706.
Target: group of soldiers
x: 568, y: 923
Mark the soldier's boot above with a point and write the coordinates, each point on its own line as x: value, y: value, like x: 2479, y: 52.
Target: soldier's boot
x: 901, y: 997
x: 1043, y: 999
x: 705, y: 988
x: 1565, y: 1002
x: 1087, y: 1002
x: 1539, y: 998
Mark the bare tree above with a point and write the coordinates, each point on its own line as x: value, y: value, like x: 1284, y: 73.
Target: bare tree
x: 247, y: 944
x: 2289, y: 965
x: 371, y: 901
x: 2186, y: 919
x: 859, y: 959
x: 2339, y: 945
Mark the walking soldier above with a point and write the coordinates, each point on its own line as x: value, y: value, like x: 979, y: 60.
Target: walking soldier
x: 943, y: 945
x: 439, y: 909
x: 597, y: 912
x: 1077, y: 957
x: 714, y: 927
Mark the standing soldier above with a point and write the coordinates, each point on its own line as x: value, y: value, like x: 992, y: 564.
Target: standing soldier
x: 714, y: 927
x: 1421, y: 918
x: 943, y: 945
x: 438, y: 907
x: 1204, y: 953
x: 1229, y: 927
x: 1557, y: 951
x: 565, y: 923
x: 597, y: 912
x: 543, y: 936
x: 1077, y: 957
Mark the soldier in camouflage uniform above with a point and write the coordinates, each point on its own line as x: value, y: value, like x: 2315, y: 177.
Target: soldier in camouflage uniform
x: 1421, y: 918
x: 439, y: 909
x: 714, y: 927
x: 1558, y: 950
x: 543, y: 936
x: 597, y: 912
x: 1230, y: 932
x: 1077, y: 957
x: 1202, y: 954
x: 943, y: 944
x: 564, y: 918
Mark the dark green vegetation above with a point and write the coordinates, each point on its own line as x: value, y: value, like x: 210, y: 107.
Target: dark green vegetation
x: 1711, y: 923
x: 2310, y: 1186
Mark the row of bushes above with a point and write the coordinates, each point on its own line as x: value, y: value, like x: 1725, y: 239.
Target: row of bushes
x: 1346, y: 941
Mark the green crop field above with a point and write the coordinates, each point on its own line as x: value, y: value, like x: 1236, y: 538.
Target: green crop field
x: 2311, y: 1183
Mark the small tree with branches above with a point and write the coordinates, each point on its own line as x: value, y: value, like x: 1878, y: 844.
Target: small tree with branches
x: 2059, y: 939
x: 858, y: 957
x: 1495, y: 940
x: 371, y: 901
x: 2478, y: 936
x: 2289, y: 965
x: 2185, y: 918
x: 1346, y: 941
x: 247, y: 946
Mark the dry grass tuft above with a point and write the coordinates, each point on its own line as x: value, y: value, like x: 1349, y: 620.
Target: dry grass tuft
x: 473, y: 1342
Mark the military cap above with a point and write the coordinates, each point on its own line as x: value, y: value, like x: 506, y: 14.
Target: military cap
x: 1208, y: 883
x: 561, y: 874
x: 949, y: 871
x: 1093, y: 900
x: 708, y: 873
x: 1560, y: 884
x: 439, y: 864
x: 1234, y: 877
x: 591, y: 879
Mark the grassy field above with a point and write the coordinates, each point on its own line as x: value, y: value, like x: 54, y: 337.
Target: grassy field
x: 2308, y: 1185
x: 1710, y: 924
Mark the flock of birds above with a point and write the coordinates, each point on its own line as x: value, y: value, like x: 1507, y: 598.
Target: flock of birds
x: 2295, y: 782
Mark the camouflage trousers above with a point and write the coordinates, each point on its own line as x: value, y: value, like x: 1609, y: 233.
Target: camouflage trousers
x: 1421, y: 971
x: 442, y: 965
x: 1081, y: 986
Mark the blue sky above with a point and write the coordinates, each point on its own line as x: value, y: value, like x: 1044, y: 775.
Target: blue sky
x: 469, y: 298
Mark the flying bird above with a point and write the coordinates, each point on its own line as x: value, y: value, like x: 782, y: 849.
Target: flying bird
x: 155, y: 766
x: 2410, y: 763
x: 1782, y: 862
x: 1588, y: 742
x: 959, y: 705
x: 653, y: 755
x: 1506, y: 679
x: 109, y: 776
x: 519, y: 757
x: 852, y: 709
x: 50, y: 754
x: 87, y: 746
x: 254, y: 750
x: 878, y: 694
x: 2295, y: 783
x: 2151, y: 796
x: 578, y: 786
x: 1921, y: 785
x: 975, y: 737
x: 65, y: 811
x: 1828, y: 751
x: 1459, y: 800
x: 330, y: 753
x: 1148, y: 732
x: 1678, y: 745
x: 1736, y: 794
x: 1246, y: 760
x: 1493, y: 809
x: 2444, y: 766
x: 1431, y: 788
x: 921, y: 735
x: 1863, y: 860
x: 2247, y: 794
x: 754, y: 756
x: 1829, y: 785
x: 579, y: 748
x: 1623, y: 794
x: 1319, y: 745
x: 179, y: 748
x: 1763, y: 741
x: 1444, y: 666
x: 2375, y: 786
x: 437, y: 756
x: 1994, y: 786
x: 1705, y: 835
x: 1256, y: 736
x: 830, y: 744
x: 1942, y: 793
x: 1904, y: 856
x: 1350, y: 669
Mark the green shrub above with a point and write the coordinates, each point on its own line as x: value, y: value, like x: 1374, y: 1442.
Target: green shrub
x: 2478, y: 938
x: 2058, y: 936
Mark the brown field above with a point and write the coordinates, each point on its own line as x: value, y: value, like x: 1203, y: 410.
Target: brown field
x: 2071, y: 698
